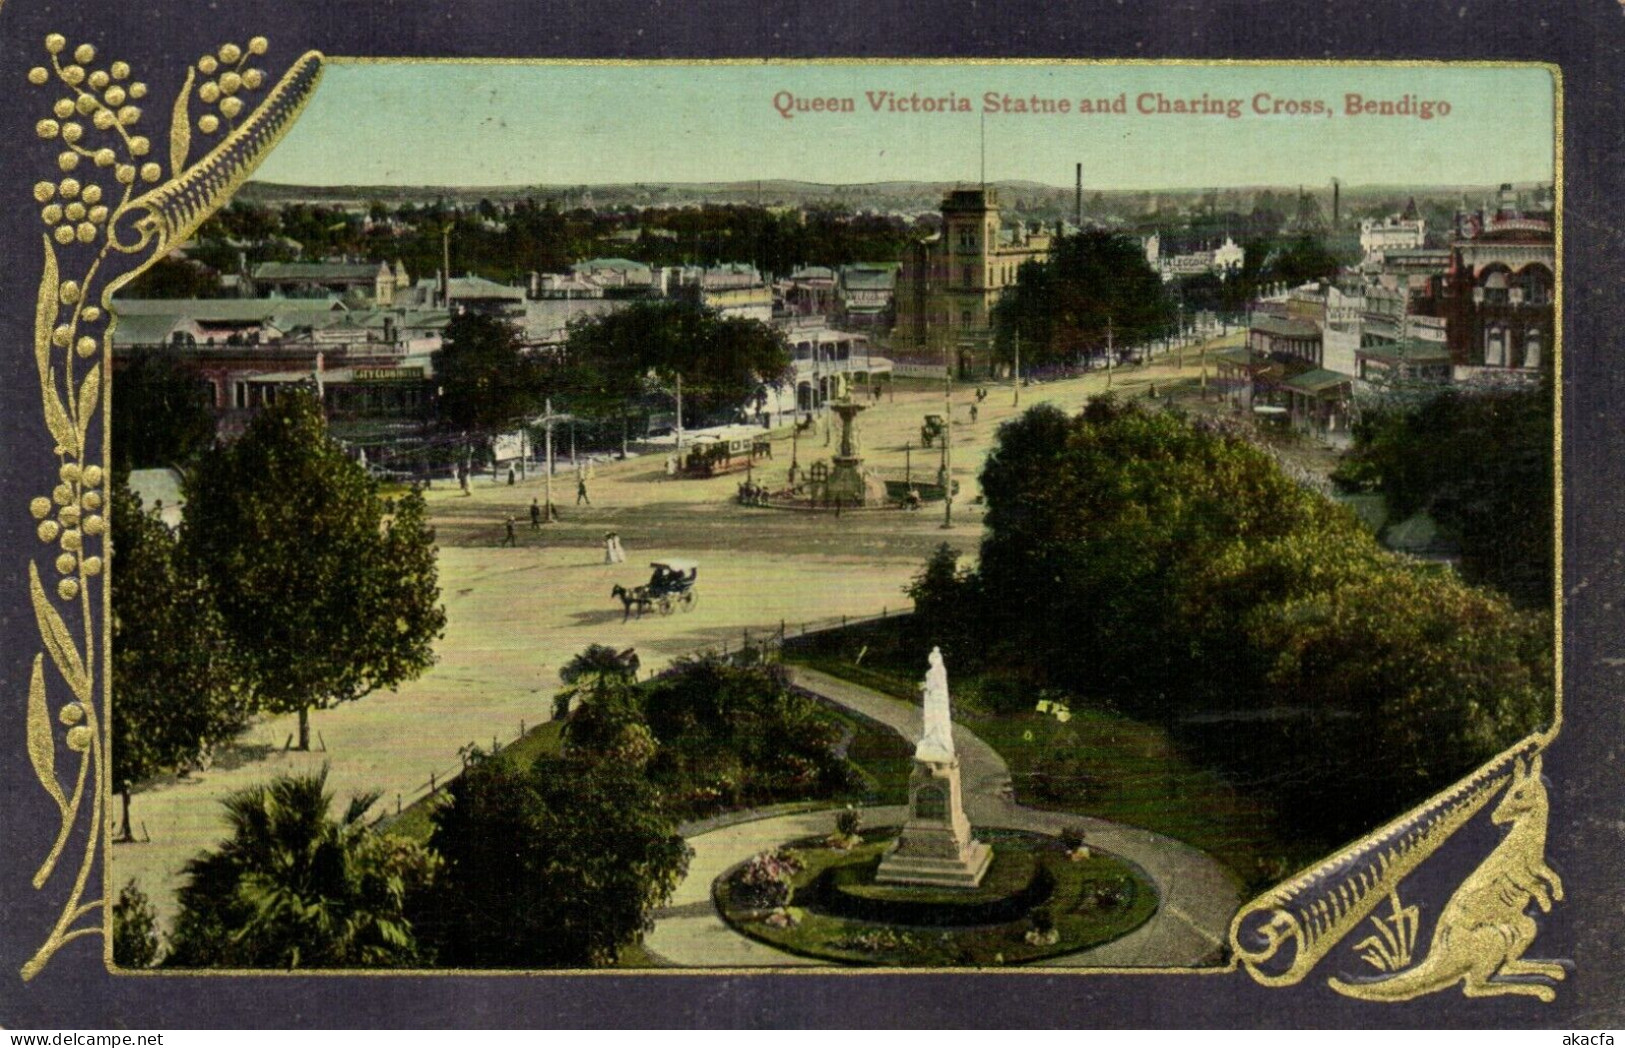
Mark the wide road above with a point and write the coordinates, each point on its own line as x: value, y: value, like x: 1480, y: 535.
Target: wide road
x: 515, y: 615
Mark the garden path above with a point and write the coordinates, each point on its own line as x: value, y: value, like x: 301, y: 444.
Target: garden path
x: 1197, y: 897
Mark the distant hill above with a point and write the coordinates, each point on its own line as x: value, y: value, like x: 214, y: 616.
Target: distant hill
x: 1017, y: 196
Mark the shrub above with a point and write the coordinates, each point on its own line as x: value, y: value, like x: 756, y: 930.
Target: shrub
x: 135, y: 929
x: 1072, y: 838
x: 849, y: 822
x: 561, y: 864
x: 765, y: 881
x: 1006, y: 696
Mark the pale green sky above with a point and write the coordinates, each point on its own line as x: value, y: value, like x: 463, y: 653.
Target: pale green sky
x: 491, y: 125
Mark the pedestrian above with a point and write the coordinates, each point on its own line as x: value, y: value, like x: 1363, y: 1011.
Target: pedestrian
x: 462, y: 479
x: 973, y: 412
x: 535, y: 515
x: 609, y: 547
x: 581, y: 491
x: 615, y: 545
x: 510, y: 474
x: 509, y: 539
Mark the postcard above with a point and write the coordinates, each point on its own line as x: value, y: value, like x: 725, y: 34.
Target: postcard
x: 527, y: 533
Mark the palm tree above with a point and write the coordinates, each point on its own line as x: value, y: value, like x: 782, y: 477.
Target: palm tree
x: 294, y: 888
x: 590, y: 670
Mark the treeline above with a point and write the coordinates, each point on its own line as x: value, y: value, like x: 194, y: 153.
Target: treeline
x: 1169, y: 569
x: 611, y: 367
x: 558, y: 862
x: 1097, y: 290
x: 505, y: 242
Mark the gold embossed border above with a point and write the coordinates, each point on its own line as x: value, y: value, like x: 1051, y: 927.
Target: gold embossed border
x: 110, y: 213
x: 1277, y: 939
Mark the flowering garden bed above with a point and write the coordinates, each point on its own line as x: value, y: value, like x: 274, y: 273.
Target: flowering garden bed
x: 1036, y: 901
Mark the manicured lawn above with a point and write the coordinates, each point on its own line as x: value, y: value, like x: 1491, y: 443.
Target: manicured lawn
x: 881, y: 756
x: 1094, y: 900
x: 1101, y: 764
x: 1133, y: 773
x: 635, y: 956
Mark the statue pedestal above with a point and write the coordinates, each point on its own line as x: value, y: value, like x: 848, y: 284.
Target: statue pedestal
x: 935, y: 848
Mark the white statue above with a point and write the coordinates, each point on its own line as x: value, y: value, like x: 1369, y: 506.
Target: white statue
x: 937, y: 741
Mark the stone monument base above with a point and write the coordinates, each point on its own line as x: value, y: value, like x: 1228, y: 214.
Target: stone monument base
x: 964, y: 870
x: 936, y: 848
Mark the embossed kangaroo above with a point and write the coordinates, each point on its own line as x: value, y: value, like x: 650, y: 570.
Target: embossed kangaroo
x: 1483, y: 930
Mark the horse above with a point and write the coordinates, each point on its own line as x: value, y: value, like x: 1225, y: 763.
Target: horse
x: 631, y: 598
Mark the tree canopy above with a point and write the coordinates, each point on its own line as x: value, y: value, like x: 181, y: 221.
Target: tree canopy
x: 176, y: 693
x: 161, y: 416
x: 1480, y: 463
x: 723, y: 362
x: 1170, y: 567
x: 293, y: 887
x: 559, y: 865
x: 323, y: 599
x: 1062, y: 308
x: 488, y: 383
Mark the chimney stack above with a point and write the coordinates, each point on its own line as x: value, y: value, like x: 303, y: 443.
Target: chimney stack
x: 1077, y: 200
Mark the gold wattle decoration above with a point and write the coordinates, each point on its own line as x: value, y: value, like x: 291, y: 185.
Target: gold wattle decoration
x: 104, y: 159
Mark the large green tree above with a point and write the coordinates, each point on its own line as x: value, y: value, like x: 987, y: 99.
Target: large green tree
x: 324, y: 599
x: 1481, y: 463
x: 487, y: 383
x: 293, y: 887
x: 559, y: 865
x: 1173, y: 567
x: 721, y: 362
x: 161, y: 416
x: 177, y: 695
x: 1302, y: 259
x: 1094, y: 288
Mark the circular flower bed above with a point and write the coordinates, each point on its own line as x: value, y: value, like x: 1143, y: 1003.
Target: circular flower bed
x: 1039, y: 899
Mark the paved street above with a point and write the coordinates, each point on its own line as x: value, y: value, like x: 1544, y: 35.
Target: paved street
x: 1197, y: 898
x: 515, y: 615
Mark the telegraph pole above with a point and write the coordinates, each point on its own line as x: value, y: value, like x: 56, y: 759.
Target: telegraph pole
x: 445, y: 261
x: 679, y: 418
x: 547, y: 420
x: 1017, y: 401
x: 1109, y: 353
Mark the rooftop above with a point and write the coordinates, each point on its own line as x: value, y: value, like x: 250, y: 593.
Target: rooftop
x: 1283, y: 327
x: 1410, y: 351
x: 1317, y: 381
x: 319, y: 271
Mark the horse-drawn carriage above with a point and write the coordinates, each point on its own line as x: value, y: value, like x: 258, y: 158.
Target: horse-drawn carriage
x: 670, y: 587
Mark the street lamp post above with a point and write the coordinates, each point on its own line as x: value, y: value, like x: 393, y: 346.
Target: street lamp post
x: 1017, y: 401
x: 1110, y: 353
